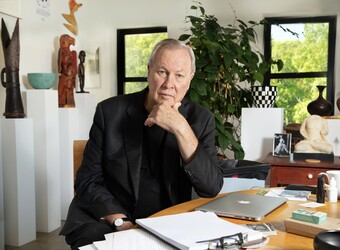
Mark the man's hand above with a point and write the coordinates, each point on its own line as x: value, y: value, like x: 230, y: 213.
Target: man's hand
x: 166, y: 117
x: 170, y: 119
x: 111, y: 218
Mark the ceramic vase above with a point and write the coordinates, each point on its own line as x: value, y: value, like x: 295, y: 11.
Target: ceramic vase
x: 320, y: 106
x: 338, y: 103
x: 264, y: 96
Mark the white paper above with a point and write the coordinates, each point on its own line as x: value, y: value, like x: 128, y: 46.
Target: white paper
x: 101, y: 245
x: 185, y: 229
x: 109, y: 240
x: 135, y: 239
x: 88, y: 247
x: 312, y: 204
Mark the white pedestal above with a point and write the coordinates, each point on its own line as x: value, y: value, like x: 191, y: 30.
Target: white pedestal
x: 69, y: 130
x: 257, y: 130
x: 19, y: 181
x: 42, y: 107
x: 86, y: 104
x: 333, y: 136
x: 2, y: 229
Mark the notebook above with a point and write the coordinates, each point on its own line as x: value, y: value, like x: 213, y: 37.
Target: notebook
x: 243, y: 206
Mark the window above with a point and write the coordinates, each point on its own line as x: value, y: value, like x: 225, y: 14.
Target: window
x: 134, y: 47
x: 308, y: 61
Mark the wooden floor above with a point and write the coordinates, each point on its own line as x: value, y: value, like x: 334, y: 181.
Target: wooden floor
x: 44, y: 241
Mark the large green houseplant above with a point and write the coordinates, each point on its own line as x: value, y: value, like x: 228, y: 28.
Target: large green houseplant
x: 227, y: 65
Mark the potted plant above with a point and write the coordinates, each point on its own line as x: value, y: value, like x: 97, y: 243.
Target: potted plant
x: 226, y: 68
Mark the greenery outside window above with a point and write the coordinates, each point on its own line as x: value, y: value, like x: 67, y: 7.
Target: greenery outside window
x: 308, y: 61
x: 133, y: 50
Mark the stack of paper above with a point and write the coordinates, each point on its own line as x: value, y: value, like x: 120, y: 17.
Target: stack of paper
x: 133, y: 239
x: 185, y: 230
x: 181, y: 231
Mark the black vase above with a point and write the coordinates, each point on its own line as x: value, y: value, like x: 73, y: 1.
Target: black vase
x: 320, y: 106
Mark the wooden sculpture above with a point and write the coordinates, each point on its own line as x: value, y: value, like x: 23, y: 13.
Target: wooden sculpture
x: 72, y: 22
x: 67, y: 67
x: 81, y: 71
x: 10, y: 74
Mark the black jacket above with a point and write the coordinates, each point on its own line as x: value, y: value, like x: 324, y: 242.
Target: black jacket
x: 108, y: 179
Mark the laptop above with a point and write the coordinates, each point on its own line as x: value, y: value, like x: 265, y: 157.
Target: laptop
x: 243, y: 206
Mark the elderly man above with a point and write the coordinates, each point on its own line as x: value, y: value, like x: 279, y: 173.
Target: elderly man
x: 146, y: 152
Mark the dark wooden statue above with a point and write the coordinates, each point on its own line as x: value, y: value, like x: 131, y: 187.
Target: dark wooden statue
x: 10, y: 74
x: 67, y: 67
x: 81, y: 71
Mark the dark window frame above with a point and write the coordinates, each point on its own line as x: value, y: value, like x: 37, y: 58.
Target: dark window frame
x: 121, y: 33
x: 329, y: 74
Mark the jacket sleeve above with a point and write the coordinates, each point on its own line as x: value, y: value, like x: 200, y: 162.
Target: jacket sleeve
x: 203, y: 171
x: 93, y: 195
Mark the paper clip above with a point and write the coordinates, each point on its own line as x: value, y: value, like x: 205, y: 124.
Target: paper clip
x: 232, y: 242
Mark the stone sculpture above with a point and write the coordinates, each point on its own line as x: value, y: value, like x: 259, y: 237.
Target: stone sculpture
x: 314, y: 129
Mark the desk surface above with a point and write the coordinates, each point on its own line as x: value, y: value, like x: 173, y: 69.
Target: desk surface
x: 282, y: 240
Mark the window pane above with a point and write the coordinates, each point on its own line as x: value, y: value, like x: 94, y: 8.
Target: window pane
x: 294, y: 96
x: 137, y: 51
x: 307, y: 53
x: 131, y: 87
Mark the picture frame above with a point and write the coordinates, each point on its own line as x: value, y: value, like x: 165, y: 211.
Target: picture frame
x: 282, y: 143
x: 11, y: 8
x: 92, y: 68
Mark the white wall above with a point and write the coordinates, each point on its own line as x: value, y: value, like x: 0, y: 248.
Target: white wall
x: 98, y: 21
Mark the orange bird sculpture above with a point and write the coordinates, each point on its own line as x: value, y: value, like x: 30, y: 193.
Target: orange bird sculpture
x: 72, y: 22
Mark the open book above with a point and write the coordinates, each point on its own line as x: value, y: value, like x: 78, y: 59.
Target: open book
x: 186, y: 230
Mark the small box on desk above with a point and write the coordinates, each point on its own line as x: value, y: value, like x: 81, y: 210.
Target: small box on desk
x: 308, y: 229
x: 313, y: 156
x: 309, y: 216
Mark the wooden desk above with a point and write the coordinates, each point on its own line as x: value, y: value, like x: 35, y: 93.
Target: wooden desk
x: 282, y: 240
x: 284, y: 171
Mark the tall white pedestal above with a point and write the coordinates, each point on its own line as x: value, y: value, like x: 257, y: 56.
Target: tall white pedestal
x: 2, y: 224
x: 69, y: 130
x: 257, y: 130
x: 333, y: 136
x: 19, y: 181
x: 86, y: 104
x: 42, y: 107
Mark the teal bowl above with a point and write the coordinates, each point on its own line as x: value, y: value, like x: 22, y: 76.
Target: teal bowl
x: 41, y: 80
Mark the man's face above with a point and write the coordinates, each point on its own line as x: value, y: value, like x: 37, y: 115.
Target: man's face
x: 169, y: 77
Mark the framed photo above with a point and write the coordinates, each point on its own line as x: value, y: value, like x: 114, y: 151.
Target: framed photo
x: 92, y: 68
x: 282, y: 144
x: 11, y: 8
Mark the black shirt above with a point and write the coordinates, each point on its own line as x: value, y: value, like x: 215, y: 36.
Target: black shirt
x: 152, y: 194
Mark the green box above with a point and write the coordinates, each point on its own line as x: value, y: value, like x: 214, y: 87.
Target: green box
x: 309, y: 216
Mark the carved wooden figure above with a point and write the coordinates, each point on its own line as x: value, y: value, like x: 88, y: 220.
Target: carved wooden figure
x: 81, y: 71
x: 10, y: 74
x: 67, y: 67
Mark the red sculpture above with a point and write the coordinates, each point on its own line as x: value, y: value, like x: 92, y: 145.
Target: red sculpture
x: 67, y: 67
